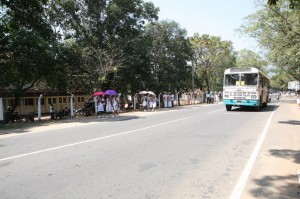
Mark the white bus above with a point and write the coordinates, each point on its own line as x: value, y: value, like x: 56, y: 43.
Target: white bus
x: 245, y: 87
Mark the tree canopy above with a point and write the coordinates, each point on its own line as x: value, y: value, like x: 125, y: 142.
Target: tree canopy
x: 292, y: 3
x: 168, y: 54
x: 211, y: 56
x: 27, y: 46
x: 69, y: 45
x: 75, y: 45
x: 249, y: 58
x: 276, y: 28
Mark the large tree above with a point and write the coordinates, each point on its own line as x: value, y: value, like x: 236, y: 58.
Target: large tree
x: 169, y: 55
x: 106, y: 31
x: 292, y: 3
x: 277, y: 29
x: 211, y: 56
x: 27, y: 46
x: 249, y: 58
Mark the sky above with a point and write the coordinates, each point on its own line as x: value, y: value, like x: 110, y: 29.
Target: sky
x: 214, y: 17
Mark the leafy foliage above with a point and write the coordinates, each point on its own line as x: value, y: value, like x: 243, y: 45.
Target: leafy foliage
x: 277, y: 30
x: 27, y: 46
x: 211, y: 56
x: 168, y: 54
x: 292, y: 3
x: 248, y: 58
x: 106, y: 32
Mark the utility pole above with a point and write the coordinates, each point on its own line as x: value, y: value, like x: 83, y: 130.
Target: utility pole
x: 193, y: 81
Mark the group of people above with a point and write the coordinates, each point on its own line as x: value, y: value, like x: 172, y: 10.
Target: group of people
x: 149, y: 103
x: 168, y: 100
x: 213, y: 97
x: 108, y: 105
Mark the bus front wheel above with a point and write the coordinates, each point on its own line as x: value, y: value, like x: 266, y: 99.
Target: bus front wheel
x: 228, y: 107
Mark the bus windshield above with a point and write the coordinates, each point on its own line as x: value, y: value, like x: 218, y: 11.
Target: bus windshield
x: 232, y: 79
x: 247, y: 79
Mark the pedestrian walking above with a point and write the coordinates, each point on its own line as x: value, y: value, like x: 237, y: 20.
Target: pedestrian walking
x: 220, y: 96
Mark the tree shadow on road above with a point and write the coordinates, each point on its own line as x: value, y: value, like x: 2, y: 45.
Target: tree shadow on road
x: 292, y: 122
x: 287, y: 154
x: 19, y: 128
x: 276, y: 187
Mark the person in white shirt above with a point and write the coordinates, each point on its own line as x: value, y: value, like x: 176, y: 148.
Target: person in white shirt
x: 207, y: 98
x: 165, y: 99
x: 100, y: 108
x: 116, y: 107
x: 144, y: 103
x: 51, y: 111
x: 108, y: 106
x: 150, y: 103
x: 154, y: 104
x: 169, y: 101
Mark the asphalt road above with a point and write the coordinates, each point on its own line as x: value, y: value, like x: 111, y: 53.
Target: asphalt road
x: 191, y: 152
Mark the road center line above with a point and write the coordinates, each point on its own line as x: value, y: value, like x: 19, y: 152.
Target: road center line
x: 90, y: 140
x: 236, y: 194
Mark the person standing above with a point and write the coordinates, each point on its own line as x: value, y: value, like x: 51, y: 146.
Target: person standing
x: 154, y: 104
x: 277, y: 95
x: 51, y: 111
x: 100, y: 108
x: 116, y: 107
x: 172, y: 100
x: 169, y: 101
x: 212, y: 98
x: 144, y: 103
x: 150, y: 103
x: 165, y: 99
x: 108, y: 106
x: 207, y: 98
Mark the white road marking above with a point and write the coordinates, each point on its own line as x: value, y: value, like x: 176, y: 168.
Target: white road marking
x: 236, y: 194
x: 216, y: 111
x: 87, y: 141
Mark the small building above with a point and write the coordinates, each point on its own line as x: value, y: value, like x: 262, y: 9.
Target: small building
x: 29, y: 103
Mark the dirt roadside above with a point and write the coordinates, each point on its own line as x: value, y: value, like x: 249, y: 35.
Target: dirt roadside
x: 275, y: 172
